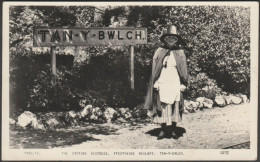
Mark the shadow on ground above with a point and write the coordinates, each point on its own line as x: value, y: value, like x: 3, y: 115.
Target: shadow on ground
x: 30, y: 138
x: 155, y: 132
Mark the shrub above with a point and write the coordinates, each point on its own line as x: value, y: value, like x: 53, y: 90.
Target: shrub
x: 202, y: 86
x: 31, y: 87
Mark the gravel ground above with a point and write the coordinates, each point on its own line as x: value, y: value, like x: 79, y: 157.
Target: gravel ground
x: 208, y: 129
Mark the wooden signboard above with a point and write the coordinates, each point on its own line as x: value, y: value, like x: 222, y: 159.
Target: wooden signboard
x: 47, y: 37
x: 52, y: 37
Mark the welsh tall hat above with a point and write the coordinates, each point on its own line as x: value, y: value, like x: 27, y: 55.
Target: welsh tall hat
x: 171, y: 31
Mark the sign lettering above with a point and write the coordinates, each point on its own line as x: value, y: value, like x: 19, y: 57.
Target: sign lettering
x: 46, y: 37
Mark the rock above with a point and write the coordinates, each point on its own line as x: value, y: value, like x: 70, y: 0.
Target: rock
x: 79, y: 114
x: 189, y: 106
x: 244, y: 98
x: 38, y: 125
x: 110, y: 114
x: 208, y: 103
x: 96, y: 113
x: 185, y: 111
x: 235, y: 99
x: 186, y: 104
x: 128, y: 115
x: 125, y: 112
x: 93, y: 117
x: 12, y: 121
x: 121, y: 120
x: 220, y: 101
x: 231, y: 99
x: 200, y: 105
x: 53, y: 119
x: 52, y: 122
x: 228, y: 100
x: 200, y: 100
x: 86, y: 112
x: 122, y: 111
x: 26, y: 119
x: 223, y: 93
x: 29, y: 119
x: 72, y: 118
x: 72, y: 114
x: 192, y: 106
x: 139, y: 112
x: 195, y: 105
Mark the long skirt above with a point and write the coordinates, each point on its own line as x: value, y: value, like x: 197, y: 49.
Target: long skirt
x: 168, y: 115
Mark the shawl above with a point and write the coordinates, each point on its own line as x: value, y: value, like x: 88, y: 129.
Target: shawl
x: 152, y: 100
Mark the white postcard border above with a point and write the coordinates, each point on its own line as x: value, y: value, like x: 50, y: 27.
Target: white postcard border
x: 188, y: 154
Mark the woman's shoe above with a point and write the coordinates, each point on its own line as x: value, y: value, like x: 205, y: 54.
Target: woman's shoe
x: 174, y: 135
x: 161, y: 135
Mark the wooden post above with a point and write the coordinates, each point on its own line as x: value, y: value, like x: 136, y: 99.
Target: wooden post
x: 132, y: 67
x: 75, y: 55
x: 53, y: 65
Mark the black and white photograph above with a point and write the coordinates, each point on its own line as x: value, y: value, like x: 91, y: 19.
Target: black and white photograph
x: 130, y: 80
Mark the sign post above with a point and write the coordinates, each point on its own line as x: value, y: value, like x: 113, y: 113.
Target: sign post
x: 132, y: 67
x: 52, y: 37
x: 53, y: 65
x: 75, y: 54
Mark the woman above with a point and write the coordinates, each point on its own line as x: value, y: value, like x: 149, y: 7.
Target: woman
x: 169, y: 77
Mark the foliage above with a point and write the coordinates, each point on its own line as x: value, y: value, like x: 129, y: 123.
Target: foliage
x: 31, y: 85
x: 108, y: 74
x: 24, y: 18
x: 202, y: 85
x: 220, y: 42
x: 217, y: 38
x: 217, y: 48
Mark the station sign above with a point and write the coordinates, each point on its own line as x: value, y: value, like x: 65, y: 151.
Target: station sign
x: 47, y: 37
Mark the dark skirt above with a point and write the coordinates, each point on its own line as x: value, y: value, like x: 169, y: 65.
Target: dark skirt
x: 168, y: 115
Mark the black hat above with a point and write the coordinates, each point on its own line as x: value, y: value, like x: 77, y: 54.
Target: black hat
x: 171, y: 31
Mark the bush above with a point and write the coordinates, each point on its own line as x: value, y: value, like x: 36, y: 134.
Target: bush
x: 108, y: 75
x: 31, y: 88
x: 44, y: 96
x: 202, y: 86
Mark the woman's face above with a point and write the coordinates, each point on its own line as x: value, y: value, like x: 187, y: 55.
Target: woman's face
x: 171, y: 40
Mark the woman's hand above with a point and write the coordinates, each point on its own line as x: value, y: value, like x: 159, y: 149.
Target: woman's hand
x: 156, y: 86
x: 183, y: 87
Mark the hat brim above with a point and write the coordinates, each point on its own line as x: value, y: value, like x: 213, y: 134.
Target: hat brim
x: 162, y: 39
